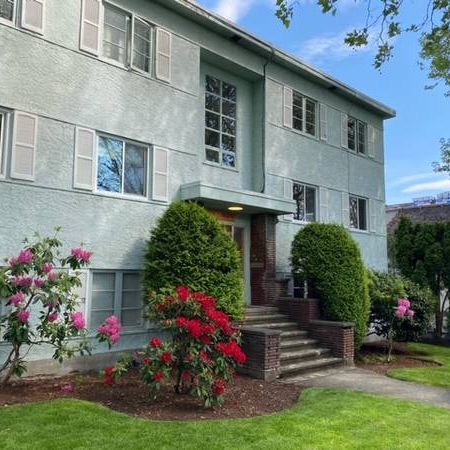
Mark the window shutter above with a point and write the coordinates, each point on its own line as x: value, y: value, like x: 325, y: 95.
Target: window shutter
x: 287, y: 106
x: 373, y: 216
x: 24, y: 146
x: 163, y: 55
x: 84, y: 163
x: 288, y: 194
x: 324, y: 195
x: 33, y: 12
x: 160, y: 174
x: 371, y: 141
x: 323, y: 122
x: 345, y: 210
x: 81, y: 291
x: 90, y: 26
x: 344, y: 130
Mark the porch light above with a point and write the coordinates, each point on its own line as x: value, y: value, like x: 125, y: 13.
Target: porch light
x: 235, y: 208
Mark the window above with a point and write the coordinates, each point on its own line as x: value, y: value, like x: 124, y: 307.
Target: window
x: 2, y: 138
x: 117, y: 293
x: 220, y: 122
x: 305, y: 198
x: 7, y: 10
x: 127, y: 39
x: 357, y: 135
x: 358, y: 213
x: 122, y: 166
x: 304, y: 114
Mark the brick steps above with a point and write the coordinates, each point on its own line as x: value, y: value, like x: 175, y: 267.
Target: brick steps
x: 258, y: 318
x: 311, y: 353
x: 297, y: 344
x: 309, y: 366
x: 283, y: 326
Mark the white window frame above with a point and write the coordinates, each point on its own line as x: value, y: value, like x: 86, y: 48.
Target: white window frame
x: 4, y: 137
x: 221, y: 133
x: 316, y: 190
x: 358, y: 228
x: 14, y: 17
x: 358, y: 124
x: 135, y: 19
x: 303, y: 131
x: 121, y: 194
x: 118, y: 291
x: 30, y: 27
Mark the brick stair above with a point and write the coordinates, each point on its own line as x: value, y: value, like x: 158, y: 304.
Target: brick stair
x: 300, y: 354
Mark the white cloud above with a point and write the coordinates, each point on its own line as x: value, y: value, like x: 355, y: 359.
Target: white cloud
x: 412, y: 178
x: 234, y: 10
x: 429, y: 186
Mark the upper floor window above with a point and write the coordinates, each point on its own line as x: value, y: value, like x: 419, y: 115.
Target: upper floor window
x: 220, y: 122
x: 358, y: 212
x: 2, y: 138
x: 7, y: 10
x: 357, y: 135
x: 304, y: 114
x: 122, y: 167
x: 305, y: 198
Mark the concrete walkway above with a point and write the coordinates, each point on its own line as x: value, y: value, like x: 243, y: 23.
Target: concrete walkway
x: 368, y: 381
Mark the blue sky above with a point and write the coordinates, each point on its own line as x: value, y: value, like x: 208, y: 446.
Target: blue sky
x: 423, y: 116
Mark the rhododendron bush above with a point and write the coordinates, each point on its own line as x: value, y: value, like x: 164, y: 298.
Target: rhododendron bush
x: 40, y: 305
x: 201, y: 354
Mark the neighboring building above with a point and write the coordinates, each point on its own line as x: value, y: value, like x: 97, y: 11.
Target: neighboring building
x: 109, y: 111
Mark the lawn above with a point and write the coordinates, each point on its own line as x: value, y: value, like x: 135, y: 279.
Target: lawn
x: 324, y: 419
x: 436, y: 376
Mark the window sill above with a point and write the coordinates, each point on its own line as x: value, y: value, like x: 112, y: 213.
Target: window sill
x: 357, y: 230
x: 134, y: 198
x: 302, y: 133
x: 218, y: 166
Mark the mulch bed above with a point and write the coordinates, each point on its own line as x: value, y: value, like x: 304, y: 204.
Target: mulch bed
x: 245, y: 398
x: 373, y: 357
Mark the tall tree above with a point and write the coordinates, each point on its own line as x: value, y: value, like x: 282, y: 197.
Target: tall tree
x: 384, y: 19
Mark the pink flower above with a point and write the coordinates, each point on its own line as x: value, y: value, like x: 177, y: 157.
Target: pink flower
x: 39, y: 283
x: 23, y: 316
x: 25, y: 257
x: 404, y: 302
x: 53, y: 276
x: 115, y: 338
x: 410, y: 313
x: 47, y: 268
x: 53, y: 317
x: 68, y: 388
x: 22, y: 281
x: 401, y: 311
x: 78, y: 320
x: 111, y: 329
x: 81, y: 254
x: 17, y: 298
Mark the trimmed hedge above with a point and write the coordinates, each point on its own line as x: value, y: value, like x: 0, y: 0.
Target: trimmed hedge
x: 327, y: 257
x: 189, y: 246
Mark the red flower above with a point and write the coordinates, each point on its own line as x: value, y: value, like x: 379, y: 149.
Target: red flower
x: 159, y: 376
x: 205, y: 301
x: 109, y: 376
x: 183, y: 293
x: 109, y: 371
x: 182, y: 322
x: 206, y: 340
x: 167, y: 358
x: 221, y: 320
x: 146, y: 361
x: 186, y: 376
x: 209, y: 329
x: 232, y: 350
x: 219, y: 387
x: 205, y: 357
x: 195, y: 328
x: 155, y: 342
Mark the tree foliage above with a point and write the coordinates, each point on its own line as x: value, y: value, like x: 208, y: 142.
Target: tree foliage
x: 384, y: 20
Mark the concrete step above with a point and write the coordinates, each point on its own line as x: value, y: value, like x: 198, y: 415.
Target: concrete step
x: 261, y: 309
x: 291, y: 356
x: 254, y: 318
x: 294, y: 333
x: 284, y: 326
x: 301, y: 342
x: 308, y: 366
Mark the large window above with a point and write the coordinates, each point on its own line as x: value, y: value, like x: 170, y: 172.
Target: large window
x: 122, y: 166
x: 304, y: 114
x: 127, y: 40
x: 117, y: 293
x: 7, y: 9
x: 220, y: 122
x: 305, y: 198
x: 357, y: 135
x: 358, y: 212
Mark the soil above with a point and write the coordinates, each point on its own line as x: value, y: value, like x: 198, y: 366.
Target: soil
x: 246, y: 397
x: 373, y: 357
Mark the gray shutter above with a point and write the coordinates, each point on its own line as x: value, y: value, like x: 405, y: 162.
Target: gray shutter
x: 81, y: 291
x: 344, y: 130
x: 287, y: 106
x: 373, y: 216
x: 288, y: 194
x: 371, y: 141
x: 324, y: 195
x: 33, y: 15
x: 163, y: 55
x: 345, y: 210
x: 323, y: 122
x: 23, y: 158
x: 160, y: 174
x: 91, y: 12
x: 84, y: 163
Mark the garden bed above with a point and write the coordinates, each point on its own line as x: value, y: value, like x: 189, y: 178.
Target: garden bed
x: 373, y: 357
x: 246, y: 397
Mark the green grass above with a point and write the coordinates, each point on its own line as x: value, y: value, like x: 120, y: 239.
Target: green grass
x: 324, y: 419
x: 435, y: 376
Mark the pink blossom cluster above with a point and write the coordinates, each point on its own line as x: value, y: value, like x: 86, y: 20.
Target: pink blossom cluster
x: 404, y: 309
x: 17, y: 298
x: 78, y: 320
x: 47, y: 268
x: 23, y: 316
x: 22, y: 281
x: 81, y: 254
x: 25, y: 257
x: 53, y: 317
x: 111, y: 329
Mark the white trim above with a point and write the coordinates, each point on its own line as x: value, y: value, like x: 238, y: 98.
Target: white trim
x: 288, y: 189
x: 150, y: 56
x: 155, y: 172
x: 324, y: 199
x: 288, y: 99
x: 77, y: 156
x: 159, y: 32
x: 323, y: 122
x: 98, y: 25
x: 344, y: 130
x: 14, y: 16
x: 345, y: 206
x: 358, y: 198
x: 371, y: 139
x: 373, y: 216
x: 29, y: 27
x: 2, y: 141
x: 20, y: 176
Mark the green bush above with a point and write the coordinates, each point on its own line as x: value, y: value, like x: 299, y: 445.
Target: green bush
x: 385, y: 290
x: 328, y: 258
x: 189, y: 246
